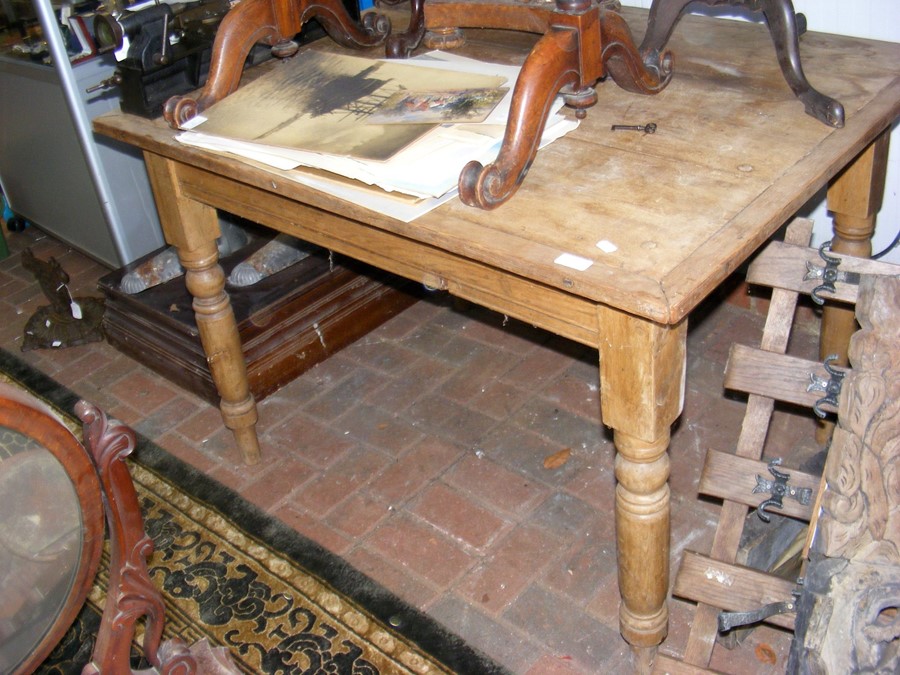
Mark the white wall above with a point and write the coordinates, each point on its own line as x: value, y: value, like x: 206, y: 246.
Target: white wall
x: 873, y: 19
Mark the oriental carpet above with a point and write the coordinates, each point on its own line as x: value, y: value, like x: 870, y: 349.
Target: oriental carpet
x: 235, y: 576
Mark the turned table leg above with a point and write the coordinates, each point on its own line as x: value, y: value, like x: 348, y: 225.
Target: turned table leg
x: 193, y: 228
x: 854, y: 198
x: 642, y: 368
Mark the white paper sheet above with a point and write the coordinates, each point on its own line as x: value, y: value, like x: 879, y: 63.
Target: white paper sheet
x: 428, y: 169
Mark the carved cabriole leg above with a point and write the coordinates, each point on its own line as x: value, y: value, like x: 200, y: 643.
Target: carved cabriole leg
x: 249, y: 22
x: 206, y: 282
x: 552, y: 64
x: 569, y: 58
x: 270, y: 22
x: 854, y: 198
x: 661, y: 22
x: 642, y: 367
x: 782, y: 24
x: 399, y: 45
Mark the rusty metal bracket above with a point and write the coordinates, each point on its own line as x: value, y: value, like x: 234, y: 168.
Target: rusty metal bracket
x: 729, y: 620
x: 779, y: 489
x: 829, y: 274
x: 830, y: 387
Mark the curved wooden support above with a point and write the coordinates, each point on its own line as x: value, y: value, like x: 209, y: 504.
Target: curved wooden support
x: 399, y: 45
x: 664, y: 16
x: 131, y: 591
x: 552, y: 64
x: 782, y: 23
x: 577, y: 49
x: 249, y: 22
x: 342, y: 29
x: 625, y: 66
x: 269, y: 22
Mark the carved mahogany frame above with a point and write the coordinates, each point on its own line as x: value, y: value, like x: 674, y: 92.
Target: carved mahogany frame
x: 31, y: 418
x: 102, y: 483
x: 275, y: 23
x: 582, y: 42
x: 131, y: 595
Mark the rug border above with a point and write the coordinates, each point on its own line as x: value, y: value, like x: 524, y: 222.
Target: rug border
x: 382, y: 604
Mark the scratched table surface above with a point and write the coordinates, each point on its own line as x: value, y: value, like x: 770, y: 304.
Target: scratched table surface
x: 733, y: 157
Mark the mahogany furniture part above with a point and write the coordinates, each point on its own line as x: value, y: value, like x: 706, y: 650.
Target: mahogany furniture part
x: 287, y: 323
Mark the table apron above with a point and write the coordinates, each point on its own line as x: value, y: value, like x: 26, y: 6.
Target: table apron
x: 549, y: 308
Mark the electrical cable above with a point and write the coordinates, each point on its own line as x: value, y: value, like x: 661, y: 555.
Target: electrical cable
x: 890, y: 247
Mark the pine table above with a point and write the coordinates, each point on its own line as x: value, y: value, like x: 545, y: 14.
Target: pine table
x: 662, y: 219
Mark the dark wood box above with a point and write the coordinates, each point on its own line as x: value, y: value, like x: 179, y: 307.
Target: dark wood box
x: 287, y: 323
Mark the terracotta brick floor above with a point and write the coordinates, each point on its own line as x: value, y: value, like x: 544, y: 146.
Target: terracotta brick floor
x: 417, y: 454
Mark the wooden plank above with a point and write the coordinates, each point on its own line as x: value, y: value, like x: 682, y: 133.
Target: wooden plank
x: 732, y: 588
x: 563, y: 313
x: 782, y: 265
x: 750, y: 443
x: 668, y: 665
x: 777, y: 376
x: 730, y: 477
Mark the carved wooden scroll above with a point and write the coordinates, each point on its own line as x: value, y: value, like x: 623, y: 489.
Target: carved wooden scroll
x: 582, y: 41
x: 131, y: 594
x: 275, y: 23
x: 849, y: 617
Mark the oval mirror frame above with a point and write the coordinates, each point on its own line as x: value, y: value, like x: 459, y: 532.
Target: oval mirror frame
x: 34, y: 419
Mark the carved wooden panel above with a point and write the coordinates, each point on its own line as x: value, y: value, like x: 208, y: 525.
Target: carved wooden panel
x: 861, y: 508
x: 848, y: 618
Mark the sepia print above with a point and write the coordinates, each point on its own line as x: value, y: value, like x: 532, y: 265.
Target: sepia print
x: 444, y: 106
x: 321, y: 102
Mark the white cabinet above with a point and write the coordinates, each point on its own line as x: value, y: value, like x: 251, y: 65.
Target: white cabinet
x: 89, y: 191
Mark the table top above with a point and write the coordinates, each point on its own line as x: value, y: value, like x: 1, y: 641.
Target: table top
x: 733, y: 158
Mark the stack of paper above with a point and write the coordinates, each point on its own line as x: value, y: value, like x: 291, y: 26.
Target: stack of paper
x: 316, y: 109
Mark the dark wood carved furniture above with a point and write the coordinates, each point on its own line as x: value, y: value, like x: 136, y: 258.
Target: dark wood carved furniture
x: 849, y: 612
x: 582, y: 42
x: 275, y: 23
x: 54, y: 492
x: 785, y: 27
x: 675, y: 212
x: 51, y: 536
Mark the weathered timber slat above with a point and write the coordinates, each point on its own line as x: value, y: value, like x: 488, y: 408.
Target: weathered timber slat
x: 725, y: 545
x: 731, y: 587
x: 731, y: 477
x: 782, y: 265
x: 777, y: 376
x: 666, y: 665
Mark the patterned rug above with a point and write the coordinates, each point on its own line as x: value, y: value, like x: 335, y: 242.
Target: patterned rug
x: 235, y: 576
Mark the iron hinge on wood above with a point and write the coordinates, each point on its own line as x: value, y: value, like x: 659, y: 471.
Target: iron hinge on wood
x: 829, y: 274
x: 729, y: 620
x: 830, y: 387
x: 779, y: 489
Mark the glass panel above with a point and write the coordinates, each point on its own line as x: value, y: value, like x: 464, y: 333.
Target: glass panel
x: 40, y: 544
